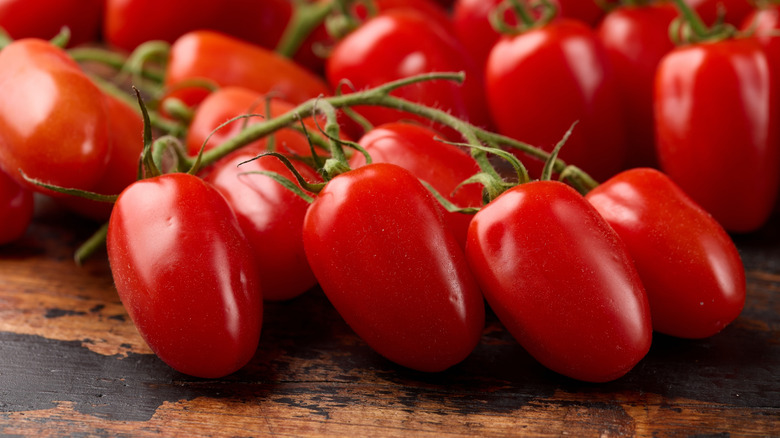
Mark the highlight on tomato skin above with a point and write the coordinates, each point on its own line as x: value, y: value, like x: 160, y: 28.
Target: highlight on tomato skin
x: 689, y: 265
x: 186, y: 274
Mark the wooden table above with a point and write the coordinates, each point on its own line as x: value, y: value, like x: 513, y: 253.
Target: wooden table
x: 71, y: 363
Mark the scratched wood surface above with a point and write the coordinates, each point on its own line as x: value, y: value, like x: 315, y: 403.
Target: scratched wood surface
x: 72, y: 364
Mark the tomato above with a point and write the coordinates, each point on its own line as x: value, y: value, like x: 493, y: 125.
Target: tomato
x: 764, y: 23
x: 129, y: 23
x: 229, y: 102
x: 561, y: 281
x: 587, y: 11
x: 44, y: 19
x: 442, y: 165
x: 225, y: 61
x: 541, y: 81
x: 53, y: 119
x: 691, y: 270
x: 16, y: 209
x: 186, y: 275
x: 125, y: 130
x: 382, y: 254
x: 726, y: 156
x: 400, y: 43
x: 734, y: 11
x: 271, y: 217
x: 636, y: 38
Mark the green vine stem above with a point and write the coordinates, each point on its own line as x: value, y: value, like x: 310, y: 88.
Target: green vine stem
x: 689, y: 27
x: 305, y: 18
x: 5, y: 38
x: 112, y: 59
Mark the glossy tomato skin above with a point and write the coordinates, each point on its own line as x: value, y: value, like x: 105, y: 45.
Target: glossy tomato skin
x: 16, y: 209
x: 539, y: 82
x: 560, y: 280
x: 204, y: 55
x: 44, y: 19
x: 271, y: 217
x: 725, y: 156
x: 401, y: 43
x: 53, y: 119
x: 125, y: 131
x: 636, y: 38
x: 386, y: 261
x: 229, y: 102
x: 184, y: 272
x: 129, y: 23
x: 444, y: 166
x: 691, y: 270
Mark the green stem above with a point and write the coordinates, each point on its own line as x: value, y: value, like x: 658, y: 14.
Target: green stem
x: 94, y: 243
x: 112, y: 59
x: 5, y: 39
x: 305, y: 18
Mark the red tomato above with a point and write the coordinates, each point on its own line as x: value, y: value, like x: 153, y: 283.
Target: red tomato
x: 717, y: 131
x: 734, y: 11
x: 690, y: 268
x: 401, y: 43
x: 587, y: 11
x: 229, y: 102
x: 129, y: 23
x: 636, y: 38
x: 225, y: 61
x: 45, y: 18
x: 186, y: 275
x: 53, y: 119
x: 271, y: 217
x: 16, y: 209
x: 541, y: 81
x: 125, y: 130
x: 764, y: 23
x: 561, y: 281
x: 442, y: 165
x: 379, y: 248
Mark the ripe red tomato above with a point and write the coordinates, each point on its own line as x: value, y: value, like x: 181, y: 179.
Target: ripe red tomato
x: 204, y: 55
x: 734, y: 11
x: 45, y: 18
x: 441, y: 165
x: 53, y: 119
x: 587, y: 11
x: 229, y: 102
x: 129, y: 23
x: 636, y: 38
x: 16, y: 209
x: 271, y: 217
x: 186, y: 275
x: 125, y: 130
x: 386, y: 261
x: 764, y: 24
x: 716, y: 127
x: 561, y: 281
x: 690, y: 268
x: 400, y: 43
x: 541, y: 81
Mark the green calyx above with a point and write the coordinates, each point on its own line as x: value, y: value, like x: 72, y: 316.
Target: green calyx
x: 527, y: 15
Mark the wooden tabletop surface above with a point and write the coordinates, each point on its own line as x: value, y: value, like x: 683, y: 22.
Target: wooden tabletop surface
x: 72, y: 364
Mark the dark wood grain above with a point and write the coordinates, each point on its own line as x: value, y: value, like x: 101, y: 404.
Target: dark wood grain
x: 71, y: 363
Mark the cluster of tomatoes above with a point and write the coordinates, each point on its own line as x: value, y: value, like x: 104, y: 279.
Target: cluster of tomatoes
x: 401, y: 155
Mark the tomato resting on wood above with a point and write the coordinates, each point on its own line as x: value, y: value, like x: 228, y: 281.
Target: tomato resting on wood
x: 690, y: 268
x: 53, y: 119
x: 186, y: 274
x: 561, y: 280
x: 382, y: 254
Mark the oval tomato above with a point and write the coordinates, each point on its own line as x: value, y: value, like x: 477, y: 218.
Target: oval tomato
x: 129, y: 23
x: 186, y: 275
x: 271, y: 217
x: 541, y: 81
x: 125, y: 130
x: 690, y: 268
x: 442, y: 165
x: 386, y: 261
x: 636, y: 38
x: 230, y: 102
x: 53, y: 119
x: 45, y: 18
x: 561, y: 281
x: 16, y: 209
x: 224, y: 60
x: 401, y: 43
x: 726, y: 156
